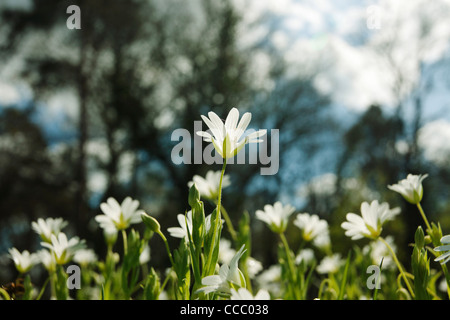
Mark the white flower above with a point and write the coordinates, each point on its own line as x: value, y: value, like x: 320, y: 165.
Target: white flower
x: 226, y: 138
x: 226, y: 252
x: 322, y: 241
x: 45, y: 228
x: 410, y: 188
x: 23, y: 261
x: 330, y: 264
x: 444, y: 258
x: 221, y: 283
x: 305, y: 255
x: 185, y: 223
x: 244, y: 294
x: 378, y: 250
x: 370, y: 223
x: 47, y: 259
x: 62, y: 248
x: 209, y: 186
x: 276, y: 216
x: 253, y: 266
x: 144, y: 257
x: 85, y: 256
x: 270, y: 279
x: 311, y: 225
x: 119, y: 216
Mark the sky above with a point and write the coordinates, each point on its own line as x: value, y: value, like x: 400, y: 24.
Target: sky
x: 340, y: 44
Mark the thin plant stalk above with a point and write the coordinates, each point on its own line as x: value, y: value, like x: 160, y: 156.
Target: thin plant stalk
x: 216, y: 222
x: 424, y: 217
x: 125, y: 242
x: 290, y: 263
x: 399, y: 266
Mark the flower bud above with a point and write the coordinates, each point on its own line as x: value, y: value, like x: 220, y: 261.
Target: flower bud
x: 151, y: 223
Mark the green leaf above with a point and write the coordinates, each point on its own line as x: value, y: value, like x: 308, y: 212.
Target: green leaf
x: 344, y: 277
x: 152, y: 286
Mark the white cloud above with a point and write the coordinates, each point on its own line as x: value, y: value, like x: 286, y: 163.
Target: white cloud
x: 434, y: 140
x: 9, y: 94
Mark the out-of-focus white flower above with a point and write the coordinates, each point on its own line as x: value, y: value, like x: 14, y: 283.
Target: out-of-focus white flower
x: 226, y: 138
x: 227, y: 274
x: 445, y: 257
x: 45, y: 228
x: 370, y: 223
x: 144, y: 257
x: 276, y: 216
x: 244, y: 294
x: 330, y: 264
x: 24, y: 260
x: 85, y: 256
x: 322, y: 241
x: 62, y: 248
x: 410, y: 188
x: 270, y: 279
x: 305, y: 255
x: 119, y: 216
x: 209, y: 185
x: 185, y: 223
x: 253, y: 266
x: 226, y: 252
x: 378, y: 250
x: 311, y: 226
x: 47, y: 259
x: 110, y: 234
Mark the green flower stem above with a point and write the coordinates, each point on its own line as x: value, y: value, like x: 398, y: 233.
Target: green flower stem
x: 424, y: 217
x: 290, y: 263
x: 228, y: 222
x: 52, y: 284
x: 125, y: 241
x: 167, y: 247
x: 219, y: 198
x: 399, y: 266
x: 217, y: 221
x: 435, y: 242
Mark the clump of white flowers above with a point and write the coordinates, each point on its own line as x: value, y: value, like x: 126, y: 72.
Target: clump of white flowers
x: 206, y: 264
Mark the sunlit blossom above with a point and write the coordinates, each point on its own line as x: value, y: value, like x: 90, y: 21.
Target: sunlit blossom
x: 63, y: 248
x: 47, y: 259
x: 227, y: 137
x: 378, y: 251
x: 370, y: 223
x: 24, y: 260
x: 85, y: 256
x: 410, y: 188
x: 227, y: 274
x: 311, y: 226
x: 45, y: 228
x: 244, y: 294
x: 119, y: 216
x: 330, y: 264
x: 306, y: 256
x: 209, y: 185
x: 276, y: 216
